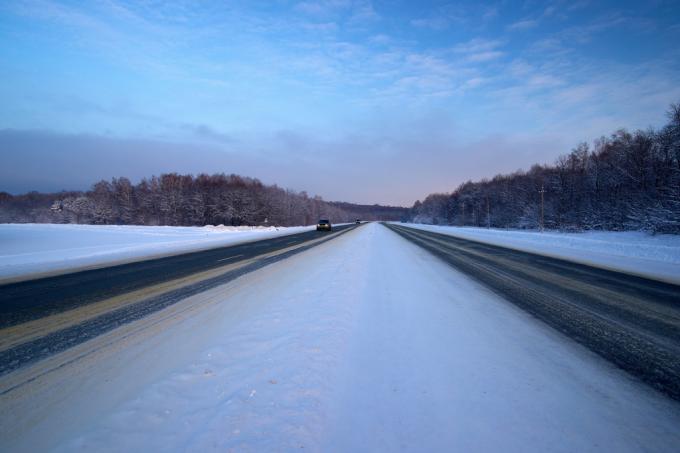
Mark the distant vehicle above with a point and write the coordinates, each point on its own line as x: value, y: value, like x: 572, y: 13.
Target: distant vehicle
x: 323, y: 225
x: 358, y: 221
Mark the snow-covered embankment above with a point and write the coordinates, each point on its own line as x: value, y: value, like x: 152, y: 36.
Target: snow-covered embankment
x: 43, y: 249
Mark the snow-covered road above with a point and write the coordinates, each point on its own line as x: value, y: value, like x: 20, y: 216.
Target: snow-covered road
x: 364, y: 343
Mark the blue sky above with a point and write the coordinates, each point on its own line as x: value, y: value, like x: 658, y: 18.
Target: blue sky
x: 382, y: 101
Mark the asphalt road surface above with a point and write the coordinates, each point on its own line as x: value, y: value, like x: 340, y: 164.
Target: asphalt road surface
x: 631, y: 321
x: 39, y: 318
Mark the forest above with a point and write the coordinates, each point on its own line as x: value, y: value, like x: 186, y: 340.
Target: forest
x: 627, y: 181
x: 185, y: 200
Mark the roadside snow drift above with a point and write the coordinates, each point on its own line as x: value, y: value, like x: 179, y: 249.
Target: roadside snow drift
x: 30, y: 249
x: 633, y: 252
x: 364, y: 343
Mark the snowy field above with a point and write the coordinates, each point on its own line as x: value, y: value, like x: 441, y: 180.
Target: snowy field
x: 629, y: 251
x: 364, y: 343
x: 30, y: 249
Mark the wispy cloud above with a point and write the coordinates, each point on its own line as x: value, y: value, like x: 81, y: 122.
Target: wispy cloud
x: 485, y: 56
x: 476, y: 45
x: 480, y: 50
x: 491, y: 12
x: 353, y: 11
x: 523, y: 24
x: 434, y: 23
x: 380, y: 38
x: 206, y: 133
x: 363, y: 12
x: 322, y: 7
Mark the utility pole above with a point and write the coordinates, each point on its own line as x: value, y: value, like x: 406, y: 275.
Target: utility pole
x: 488, y: 213
x: 542, y: 192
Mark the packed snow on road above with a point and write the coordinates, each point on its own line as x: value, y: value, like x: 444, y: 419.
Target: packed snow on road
x: 364, y: 343
x: 28, y: 249
x: 637, y: 252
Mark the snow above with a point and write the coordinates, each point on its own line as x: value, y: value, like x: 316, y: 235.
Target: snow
x: 31, y: 249
x: 636, y: 252
x: 364, y: 343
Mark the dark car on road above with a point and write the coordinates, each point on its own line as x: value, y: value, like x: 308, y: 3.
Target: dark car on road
x: 323, y: 225
x: 358, y: 221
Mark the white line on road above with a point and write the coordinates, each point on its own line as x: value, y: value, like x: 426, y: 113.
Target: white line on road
x: 230, y: 258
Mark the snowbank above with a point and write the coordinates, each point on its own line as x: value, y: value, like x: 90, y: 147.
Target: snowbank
x: 34, y: 249
x: 633, y: 252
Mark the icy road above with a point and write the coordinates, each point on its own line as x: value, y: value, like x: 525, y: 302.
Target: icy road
x: 366, y: 342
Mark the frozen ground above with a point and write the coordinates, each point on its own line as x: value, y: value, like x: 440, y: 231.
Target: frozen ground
x: 28, y: 249
x: 364, y: 343
x: 629, y: 251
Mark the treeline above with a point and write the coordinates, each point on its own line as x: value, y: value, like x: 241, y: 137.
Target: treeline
x: 628, y: 181
x: 373, y: 211
x: 174, y: 199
